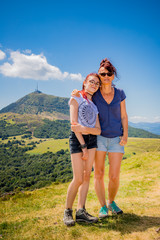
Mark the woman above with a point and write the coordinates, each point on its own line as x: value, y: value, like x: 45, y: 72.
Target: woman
x: 83, y: 143
x: 113, y: 118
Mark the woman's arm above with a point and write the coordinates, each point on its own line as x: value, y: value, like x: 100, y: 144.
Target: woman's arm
x: 75, y: 93
x: 74, y: 119
x: 124, y: 119
x: 78, y: 128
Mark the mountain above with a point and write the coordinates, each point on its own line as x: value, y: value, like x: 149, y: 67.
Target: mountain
x: 150, y: 127
x: 40, y: 104
x: 140, y: 133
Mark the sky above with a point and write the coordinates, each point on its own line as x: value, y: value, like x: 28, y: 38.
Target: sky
x: 55, y: 44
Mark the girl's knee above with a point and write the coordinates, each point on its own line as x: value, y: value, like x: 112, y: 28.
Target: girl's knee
x: 78, y: 181
x: 87, y: 175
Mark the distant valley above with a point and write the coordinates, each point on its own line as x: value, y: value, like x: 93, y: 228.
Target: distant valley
x: 150, y: 127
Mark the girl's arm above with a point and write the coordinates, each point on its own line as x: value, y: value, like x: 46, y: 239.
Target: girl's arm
x: 124, y: 119
x: 77, y: 128
x: 74, y: 118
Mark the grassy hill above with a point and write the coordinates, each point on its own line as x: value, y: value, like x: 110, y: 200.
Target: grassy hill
x: 38, y: 214
x: 14, y: 124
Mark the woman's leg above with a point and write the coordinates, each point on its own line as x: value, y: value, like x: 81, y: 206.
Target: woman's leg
x: 114, y: 174
x: 99, y: 169
x: 78, y: 169
x: 83, y: 189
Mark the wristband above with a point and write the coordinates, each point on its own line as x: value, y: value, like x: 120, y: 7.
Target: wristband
x: 83, y: 146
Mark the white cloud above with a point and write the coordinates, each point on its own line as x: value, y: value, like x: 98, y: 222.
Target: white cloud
x: 34, y: 67
x: 76, y: 76
x: 137, y: 119
x: 27, y: 51
x: 157, y: 119
x: 2, y: 55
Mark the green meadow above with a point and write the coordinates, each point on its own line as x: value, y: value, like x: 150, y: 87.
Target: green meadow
x: 52, y: 145
x: 38, y: 214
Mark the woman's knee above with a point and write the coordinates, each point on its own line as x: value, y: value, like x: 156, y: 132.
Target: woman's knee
x: 99, y: 174
x: 114, y: 178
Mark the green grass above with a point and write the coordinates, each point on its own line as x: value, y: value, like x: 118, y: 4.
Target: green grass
x: 134, y: 146
x: 38, y: 214
x: 52, y: 145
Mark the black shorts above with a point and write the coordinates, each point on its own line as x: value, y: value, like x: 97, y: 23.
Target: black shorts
x: 90, y: 140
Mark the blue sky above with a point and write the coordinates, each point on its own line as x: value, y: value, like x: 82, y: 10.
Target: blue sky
x: 57, y: 43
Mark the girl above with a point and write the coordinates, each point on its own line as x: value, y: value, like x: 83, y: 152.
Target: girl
x: 83, y: 142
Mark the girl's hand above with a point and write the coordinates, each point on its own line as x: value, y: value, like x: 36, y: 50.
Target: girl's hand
x: 123, y: 141
x: 76, y: 127
x: 85, y: 154
x: 75, y: 93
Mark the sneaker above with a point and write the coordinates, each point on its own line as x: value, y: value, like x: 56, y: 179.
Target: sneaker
x: 83, y: 216
x: 103, y: 213
x: 68, y: 218
x: 114, y: 208
x: 95, y: 219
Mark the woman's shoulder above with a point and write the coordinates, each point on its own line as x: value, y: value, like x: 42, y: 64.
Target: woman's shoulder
x: 119, y: 89
x: 120, y: 92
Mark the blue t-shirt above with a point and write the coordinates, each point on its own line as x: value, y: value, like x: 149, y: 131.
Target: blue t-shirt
x: 110, y: 114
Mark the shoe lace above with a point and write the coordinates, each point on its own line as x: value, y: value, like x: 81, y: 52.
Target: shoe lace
x: 88, y: 214
x: 85, y: 212
x: 69, y: 214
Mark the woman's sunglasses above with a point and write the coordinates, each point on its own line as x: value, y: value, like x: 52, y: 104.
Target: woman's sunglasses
x: 109, y: 74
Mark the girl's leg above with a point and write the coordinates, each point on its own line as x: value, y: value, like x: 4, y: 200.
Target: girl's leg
x: 83, y: 189
x: 78, y: 169
x: 99, y: 167
x: 114, y: 174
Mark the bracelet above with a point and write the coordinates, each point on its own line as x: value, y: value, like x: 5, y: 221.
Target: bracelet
x: 83, y: 146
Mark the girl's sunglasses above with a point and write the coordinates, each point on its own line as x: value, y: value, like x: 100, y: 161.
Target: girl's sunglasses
x: 109, y: 74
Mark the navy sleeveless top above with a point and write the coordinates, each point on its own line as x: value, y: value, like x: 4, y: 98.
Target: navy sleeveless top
x: 110, y: 114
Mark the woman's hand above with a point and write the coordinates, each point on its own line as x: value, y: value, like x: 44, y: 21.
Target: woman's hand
x: 75, y: 93
x: 85, y: 154
x: 123, y: 141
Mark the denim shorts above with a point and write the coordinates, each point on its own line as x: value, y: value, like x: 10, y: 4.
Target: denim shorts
x: 109, y: 144
x: 90, y: 140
